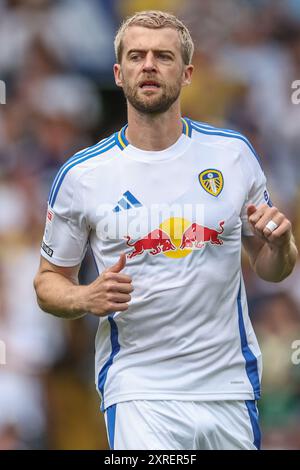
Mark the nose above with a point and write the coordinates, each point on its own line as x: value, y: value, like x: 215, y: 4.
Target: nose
x: 149, y: 63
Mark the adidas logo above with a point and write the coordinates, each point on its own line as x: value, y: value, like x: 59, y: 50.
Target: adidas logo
x: 127, y: 201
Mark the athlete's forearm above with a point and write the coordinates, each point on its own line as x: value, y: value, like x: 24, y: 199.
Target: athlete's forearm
x: 274, y: 263
x: 59, y: 296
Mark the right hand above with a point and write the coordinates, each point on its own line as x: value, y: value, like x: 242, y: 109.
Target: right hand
x: 110, y: 292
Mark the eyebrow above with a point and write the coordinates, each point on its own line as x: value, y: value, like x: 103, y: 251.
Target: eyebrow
x: 167, y: 51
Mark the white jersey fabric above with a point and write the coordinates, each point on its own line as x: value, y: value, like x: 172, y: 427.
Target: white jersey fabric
x: 183, y: 425
x: 178, y: 214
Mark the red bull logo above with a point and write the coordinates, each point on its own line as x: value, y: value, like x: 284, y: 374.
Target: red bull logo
x: 176, y: 238
x: 155, y: 242
x: 197, y: 235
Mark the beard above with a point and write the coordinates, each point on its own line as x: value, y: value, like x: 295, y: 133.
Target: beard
x: 152, y: 104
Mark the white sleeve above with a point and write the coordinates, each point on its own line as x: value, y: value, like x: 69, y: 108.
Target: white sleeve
x: 256, y: 185
x: 66, y: 231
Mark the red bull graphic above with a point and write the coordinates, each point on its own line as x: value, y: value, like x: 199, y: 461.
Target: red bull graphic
x: 197, y: 235
x: 155, y: 242
x: 176, y: 238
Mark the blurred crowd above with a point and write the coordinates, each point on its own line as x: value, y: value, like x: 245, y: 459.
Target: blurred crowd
x: 56, y: 61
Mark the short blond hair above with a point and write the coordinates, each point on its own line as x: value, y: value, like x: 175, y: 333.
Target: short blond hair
x: 155, y: 19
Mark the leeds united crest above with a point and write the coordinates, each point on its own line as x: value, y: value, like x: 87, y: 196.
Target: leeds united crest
x: 212, y: 181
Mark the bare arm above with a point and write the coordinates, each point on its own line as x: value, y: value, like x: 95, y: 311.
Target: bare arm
x: 272, y: 255
x: 58, y: 291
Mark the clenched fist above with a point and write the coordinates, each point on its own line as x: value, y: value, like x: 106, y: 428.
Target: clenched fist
x: 260, y: 217
x: 110, y: 292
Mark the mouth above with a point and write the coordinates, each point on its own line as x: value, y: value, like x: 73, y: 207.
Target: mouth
x: 149, y: 85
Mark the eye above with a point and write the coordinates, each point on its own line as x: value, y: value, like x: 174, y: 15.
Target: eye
x: 135, y: 57
x: 165, y: 57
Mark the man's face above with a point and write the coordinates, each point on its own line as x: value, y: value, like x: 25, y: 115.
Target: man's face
x: 152, y: 71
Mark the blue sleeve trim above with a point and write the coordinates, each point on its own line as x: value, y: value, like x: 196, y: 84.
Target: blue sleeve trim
x: 73, y: 162
x: 210, y: 130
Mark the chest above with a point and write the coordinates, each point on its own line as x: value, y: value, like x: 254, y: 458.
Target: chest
x: 130, y: 198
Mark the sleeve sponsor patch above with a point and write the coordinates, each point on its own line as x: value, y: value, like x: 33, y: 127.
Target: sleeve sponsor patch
x: 267, y: 198
x: 47, y: 249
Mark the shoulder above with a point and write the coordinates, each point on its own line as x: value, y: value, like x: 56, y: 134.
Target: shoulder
x: 219, y: 136
x: 89, y: 156
x: 81, y: 162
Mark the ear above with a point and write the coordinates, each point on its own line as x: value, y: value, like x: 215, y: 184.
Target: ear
x: 187, y: 75
x: 118, y: 75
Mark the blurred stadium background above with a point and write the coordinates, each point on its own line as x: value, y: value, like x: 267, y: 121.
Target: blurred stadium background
x: 56, y: 60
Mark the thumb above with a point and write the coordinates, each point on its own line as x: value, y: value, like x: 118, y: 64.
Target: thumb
x: 251, y: 209
x: 120, y: 264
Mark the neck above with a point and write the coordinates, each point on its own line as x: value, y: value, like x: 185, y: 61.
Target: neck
x: 153, y: 132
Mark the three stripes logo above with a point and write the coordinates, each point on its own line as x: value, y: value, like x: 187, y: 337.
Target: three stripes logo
x: 127, y: 201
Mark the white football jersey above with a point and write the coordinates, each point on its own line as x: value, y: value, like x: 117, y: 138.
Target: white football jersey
x: 178, y: 214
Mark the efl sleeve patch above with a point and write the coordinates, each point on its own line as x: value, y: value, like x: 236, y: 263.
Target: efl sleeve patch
x: 47, y: 249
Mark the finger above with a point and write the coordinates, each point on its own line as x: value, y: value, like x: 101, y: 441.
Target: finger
x: 270, y: 214
x: 267, y: 214
x: 121, y: 287
x: 117, y: 297
x: 118, y: 307
x: 278, y: 219
x: 251, y: 210
x: 120, y: 264
x: 116, y: 277
x: 255, y: 216
x: 282, y: 233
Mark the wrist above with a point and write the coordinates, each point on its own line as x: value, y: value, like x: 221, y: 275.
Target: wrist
x: 286, y: 255
x: 284, y: 248
x: 78, y: 300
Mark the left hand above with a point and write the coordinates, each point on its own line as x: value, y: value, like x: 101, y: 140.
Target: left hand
x: 259, y: 217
